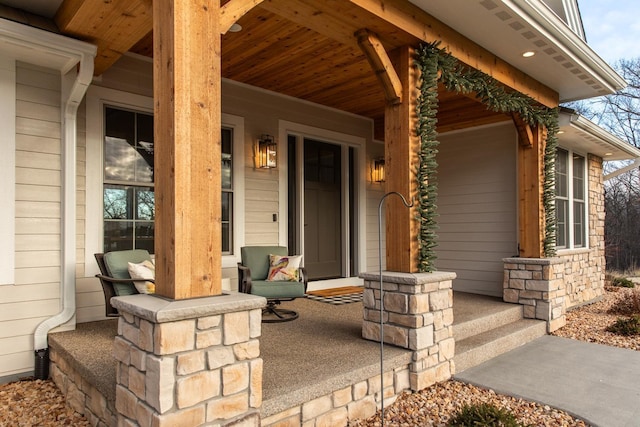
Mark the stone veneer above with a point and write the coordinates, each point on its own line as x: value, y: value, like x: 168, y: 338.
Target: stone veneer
x: 189, y: 363
x: 80, y: 394
x: 417, y: 315
x: 539, y: 285
x: 358, y: 401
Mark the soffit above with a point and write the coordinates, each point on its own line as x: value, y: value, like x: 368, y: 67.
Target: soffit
x: 507, y: 28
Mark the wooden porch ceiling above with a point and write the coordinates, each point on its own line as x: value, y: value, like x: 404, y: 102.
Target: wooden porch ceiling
x: 308, y: 51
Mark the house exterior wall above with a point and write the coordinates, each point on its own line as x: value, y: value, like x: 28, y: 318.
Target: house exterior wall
x: 35, y: 295
x: 584, y: 269
x: 477, y: 206
x: 264, y: 193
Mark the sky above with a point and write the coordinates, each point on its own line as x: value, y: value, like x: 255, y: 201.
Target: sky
x: 612, y: 28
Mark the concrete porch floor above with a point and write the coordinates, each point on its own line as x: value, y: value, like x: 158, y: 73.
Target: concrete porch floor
x: 318, y: 353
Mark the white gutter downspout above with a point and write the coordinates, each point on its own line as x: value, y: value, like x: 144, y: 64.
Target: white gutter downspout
x: 72, y: 93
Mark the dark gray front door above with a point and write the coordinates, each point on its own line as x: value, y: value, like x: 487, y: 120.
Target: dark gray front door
x: 322, y: 210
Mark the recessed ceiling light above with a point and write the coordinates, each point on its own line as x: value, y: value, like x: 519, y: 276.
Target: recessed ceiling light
x: 235, y: 28
x: 608, y: 154
x: 528, y: 54
x: 560, y: 132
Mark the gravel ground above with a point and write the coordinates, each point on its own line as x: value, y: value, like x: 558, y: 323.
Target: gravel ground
x: 435, y: 405
x: 40, y: 403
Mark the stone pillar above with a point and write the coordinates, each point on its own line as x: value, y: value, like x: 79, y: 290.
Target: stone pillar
x: 417, y: 315
x: 189, y: 362
x: 538, y: 285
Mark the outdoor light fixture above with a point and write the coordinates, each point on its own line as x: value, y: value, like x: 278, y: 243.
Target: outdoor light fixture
x: 528, y: 54
x: 377, y: 170
x: 266, y: 152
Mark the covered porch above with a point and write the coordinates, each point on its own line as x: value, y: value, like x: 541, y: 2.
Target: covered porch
x: 318, y: 366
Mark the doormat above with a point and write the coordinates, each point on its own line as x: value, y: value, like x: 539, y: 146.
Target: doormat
x: 337, y: 296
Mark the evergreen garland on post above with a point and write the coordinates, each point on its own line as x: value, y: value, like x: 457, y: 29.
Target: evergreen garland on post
x: 436, y: 65
x: 427, y: 107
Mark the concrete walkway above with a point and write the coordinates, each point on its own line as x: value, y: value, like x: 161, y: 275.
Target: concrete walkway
x: 597, y: 383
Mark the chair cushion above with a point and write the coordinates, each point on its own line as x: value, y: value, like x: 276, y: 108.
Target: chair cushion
x: 257, y: 259
x: 145, y: 270
x: 277, y: 289
x: 117, y: 264
x: 284, y: 268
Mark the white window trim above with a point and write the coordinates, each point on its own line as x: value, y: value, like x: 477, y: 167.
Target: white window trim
x: 8, y: 169
x: 97, y: 98
x: 571, y: 245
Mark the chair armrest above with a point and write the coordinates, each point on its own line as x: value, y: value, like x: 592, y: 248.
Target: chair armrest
x: 114, y: 280
x: 244, y: 279
x: 304, y: 278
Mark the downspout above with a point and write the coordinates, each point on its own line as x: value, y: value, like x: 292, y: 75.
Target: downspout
x: 73, y: 90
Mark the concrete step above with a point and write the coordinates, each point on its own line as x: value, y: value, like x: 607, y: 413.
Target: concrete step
x: 476, y: 349
x: 476, y: 314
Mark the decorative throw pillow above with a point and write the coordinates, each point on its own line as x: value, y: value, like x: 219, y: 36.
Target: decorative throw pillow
x: 284, y: 268
x: 145, y: 270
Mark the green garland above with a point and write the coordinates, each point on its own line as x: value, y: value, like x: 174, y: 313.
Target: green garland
x: 436, y: 65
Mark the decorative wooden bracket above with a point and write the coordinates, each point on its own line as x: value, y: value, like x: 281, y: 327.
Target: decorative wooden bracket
x: 234, y: 10
x: 525, y: 131
x: 379, y: 60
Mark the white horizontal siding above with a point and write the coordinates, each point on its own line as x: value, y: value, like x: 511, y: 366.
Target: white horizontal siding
x: 374, y: 194
x: 477, y: 206
x: 35, y: 295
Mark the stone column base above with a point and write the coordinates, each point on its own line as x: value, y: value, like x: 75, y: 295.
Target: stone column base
x: 190, y: 362
x: 418, y: 315
x: 538, y: 285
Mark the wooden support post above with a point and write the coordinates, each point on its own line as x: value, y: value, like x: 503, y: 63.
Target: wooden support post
x: 401, y: 163
x: 531, y: 221
x: 187, y: 148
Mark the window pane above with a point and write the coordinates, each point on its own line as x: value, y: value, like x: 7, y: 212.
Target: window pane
x: 562, y: 231
x: 578, y: 224
x: 578, y: 177
x: 227, y: 217
x: 145, y: 202
x: 119, y: 151
x: 562, y: 183
x: 144, y: 147
x: 144, y: 235
x: 118, y: 235
x: 227, y: 157
x: 117, y: 202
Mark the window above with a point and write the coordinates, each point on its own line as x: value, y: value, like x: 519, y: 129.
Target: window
x: 128, y: 198
x: 128, y: 193
x: 570, y: 200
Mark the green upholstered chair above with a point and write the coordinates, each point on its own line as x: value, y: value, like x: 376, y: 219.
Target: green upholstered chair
x: 114, y: 275
x: 252, y: 275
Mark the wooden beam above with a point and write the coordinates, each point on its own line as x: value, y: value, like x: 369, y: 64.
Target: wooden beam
x: 410, y: 18
x: 401, y: 162
x: 187, y: 148
x: 114, y: 26
x: 531, y: 215
x: 381, y: 65
x: 525, y: 132
x: 234, y: 10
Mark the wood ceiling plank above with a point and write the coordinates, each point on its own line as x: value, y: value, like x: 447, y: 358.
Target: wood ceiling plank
x: 114, y: 26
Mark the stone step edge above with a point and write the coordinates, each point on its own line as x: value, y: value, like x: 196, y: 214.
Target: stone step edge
x: 477, y: 349
x: 479, y: 325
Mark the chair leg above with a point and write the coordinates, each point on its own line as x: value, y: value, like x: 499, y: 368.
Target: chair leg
x: 271, y: 314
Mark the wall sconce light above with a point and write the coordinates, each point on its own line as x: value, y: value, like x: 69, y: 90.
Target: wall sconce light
x: 266, y: 152
x: 377, y: 170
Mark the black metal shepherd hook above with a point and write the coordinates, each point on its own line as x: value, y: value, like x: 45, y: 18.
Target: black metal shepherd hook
x: 408, y: 205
